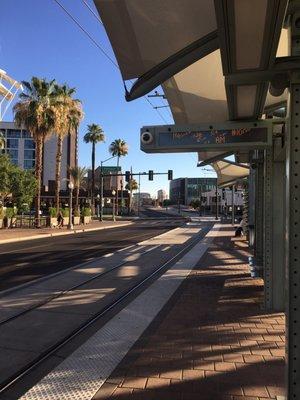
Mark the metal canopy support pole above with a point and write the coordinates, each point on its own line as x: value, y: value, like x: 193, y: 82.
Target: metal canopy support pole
x: 278, y: 203
x: 293, y: 219
x: 259, y: 213
x: 232, y: 204
x: 268, y: 237
x: 251, y: 215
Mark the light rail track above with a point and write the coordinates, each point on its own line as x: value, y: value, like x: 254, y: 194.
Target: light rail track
x: 18, y: 376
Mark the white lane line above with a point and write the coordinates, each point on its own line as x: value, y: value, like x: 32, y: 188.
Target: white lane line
x: 82, y: 374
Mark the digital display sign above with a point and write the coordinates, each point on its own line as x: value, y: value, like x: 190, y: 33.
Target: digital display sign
x: 213, y: 137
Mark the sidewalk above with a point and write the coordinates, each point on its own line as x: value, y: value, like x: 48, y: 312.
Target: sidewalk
x: 211, y: 340
x: 19, y: 234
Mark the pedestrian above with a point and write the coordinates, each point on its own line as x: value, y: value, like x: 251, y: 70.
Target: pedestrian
x: 60, y: 220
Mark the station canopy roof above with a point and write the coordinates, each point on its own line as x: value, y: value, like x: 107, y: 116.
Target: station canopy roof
x: 229, y: 172
x: 212, y: 58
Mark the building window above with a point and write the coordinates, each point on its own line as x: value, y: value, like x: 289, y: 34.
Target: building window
x: 12, y: 143
x: 13, y: 153
x: 13, y: 133
x: 26, y: 134
x: 29, y: 144
x: 29, y: 164
x: 29, y: 154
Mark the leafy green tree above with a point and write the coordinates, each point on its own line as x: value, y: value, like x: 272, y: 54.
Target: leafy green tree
x: 118, y: 148
x: 5, y: 167
x: 36, y: 112
x: 20, y: 185
x: 94, y: 135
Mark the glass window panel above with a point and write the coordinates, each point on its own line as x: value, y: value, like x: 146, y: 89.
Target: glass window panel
x: 26, y: 134
x: 29, y: 154
x: 29, y: 164
x: 13, y: 153
x: 13, y: 133
x: 29, y: 144
x: 12, y: 143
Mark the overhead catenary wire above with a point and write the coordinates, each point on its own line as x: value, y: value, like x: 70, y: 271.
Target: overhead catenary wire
x: 97, y: 44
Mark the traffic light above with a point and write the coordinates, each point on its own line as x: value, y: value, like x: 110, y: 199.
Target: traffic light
x: 223, y: 194
x: 127, y: 176
x: 150, y: 175
x: 170, y: 174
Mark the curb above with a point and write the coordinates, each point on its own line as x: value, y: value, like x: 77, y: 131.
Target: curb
x: 47, y: 235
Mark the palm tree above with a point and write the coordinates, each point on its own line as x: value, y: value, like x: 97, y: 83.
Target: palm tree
x: 94, y: 135
x: 118, y: 148
x: 2, y: 141
x: 78, y: 175
x: 131, y: 186
x: 68, y: 116
x: 36, y: 113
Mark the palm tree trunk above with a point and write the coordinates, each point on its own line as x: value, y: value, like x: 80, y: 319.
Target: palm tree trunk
x: 76, y: 147
x: 117, y: 191
x: 77, y: 197
x: 93, y: 176
x: 38, y: 173
x: 58, y: 170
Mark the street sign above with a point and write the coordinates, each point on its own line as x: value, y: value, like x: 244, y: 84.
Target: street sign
x: 193, y: 138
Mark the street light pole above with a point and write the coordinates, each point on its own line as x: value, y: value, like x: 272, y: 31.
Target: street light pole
x: 98, y: 198
x: 113, y: 194
x: 71, y: 187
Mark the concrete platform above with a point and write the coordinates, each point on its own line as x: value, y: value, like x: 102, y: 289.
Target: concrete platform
x: 211, y: 341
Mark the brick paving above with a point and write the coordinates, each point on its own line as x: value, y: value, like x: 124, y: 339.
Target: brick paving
x: 211, y: 341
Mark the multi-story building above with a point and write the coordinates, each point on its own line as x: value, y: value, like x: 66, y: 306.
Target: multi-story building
x: 20, y: 146
x: 185, y: 190
x: 161, y: 195
x: 111, y: 181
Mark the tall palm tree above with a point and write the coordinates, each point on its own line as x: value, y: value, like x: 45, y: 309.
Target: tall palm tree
x: 68, y: 116
x: 2, y: 141
x: 94, y: 135
x: 118, y: 148
x: 35, y: 112
x: 131, y: 186
x: 78, y: 175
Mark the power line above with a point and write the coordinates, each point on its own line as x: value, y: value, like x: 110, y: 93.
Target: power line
x: 97, y: 44
x: 92, y: 11
x: 86, y: 33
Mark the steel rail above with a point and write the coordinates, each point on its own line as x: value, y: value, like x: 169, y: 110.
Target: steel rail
x: 53, y: 349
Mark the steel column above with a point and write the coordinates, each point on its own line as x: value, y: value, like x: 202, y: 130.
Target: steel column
x: 293, y: 218
x: 268, y: 237
x: 278, y: 236
x: 259, y: 214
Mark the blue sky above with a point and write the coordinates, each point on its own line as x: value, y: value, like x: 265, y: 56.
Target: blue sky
x: 38, y: 38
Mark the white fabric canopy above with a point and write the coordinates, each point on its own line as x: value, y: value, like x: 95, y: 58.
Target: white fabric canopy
x: 229, y: 172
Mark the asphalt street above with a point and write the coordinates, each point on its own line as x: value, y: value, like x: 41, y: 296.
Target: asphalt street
x: 24, y: 261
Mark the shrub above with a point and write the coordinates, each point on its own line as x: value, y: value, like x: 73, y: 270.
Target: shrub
x: 86, y: 212
x: 52, y: 212
x: 10, y: 212
x: 2, y: 213
x: 65, y: 212
x: 76, y: 212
